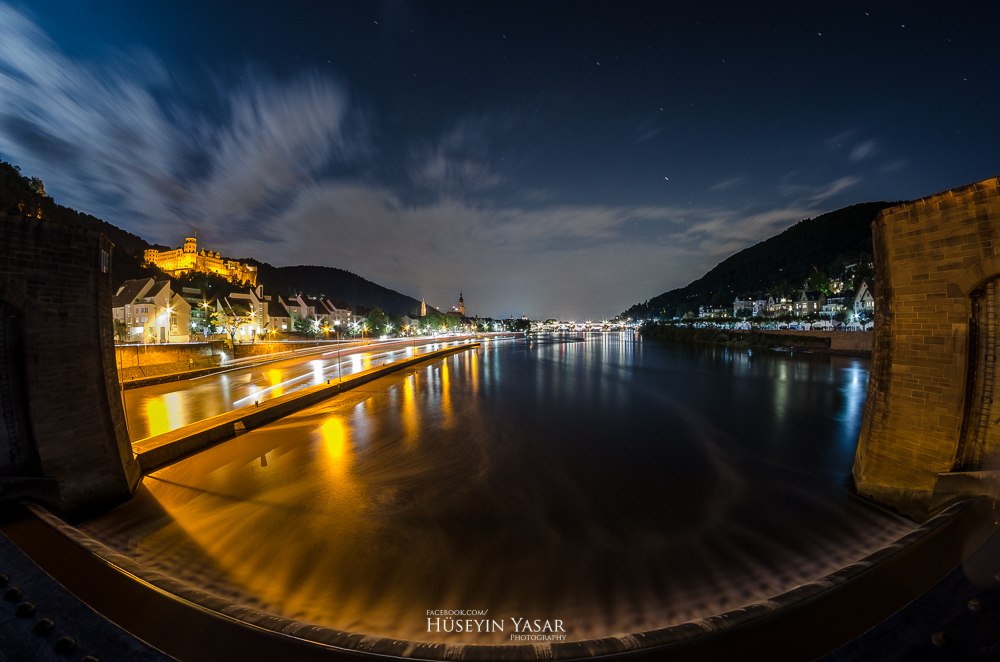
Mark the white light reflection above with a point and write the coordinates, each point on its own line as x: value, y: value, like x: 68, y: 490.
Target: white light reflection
x: 259, y: 392
x: 855, y: 390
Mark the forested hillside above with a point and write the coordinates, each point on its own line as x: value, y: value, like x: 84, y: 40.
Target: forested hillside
x: 814, y: 247
x: 335, y: 284
x: 26, y: 195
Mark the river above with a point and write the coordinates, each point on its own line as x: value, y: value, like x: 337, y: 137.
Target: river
x: 613, y: 483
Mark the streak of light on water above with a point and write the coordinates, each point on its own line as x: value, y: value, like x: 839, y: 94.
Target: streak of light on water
x: 615, y: 484
x: 154, y: 410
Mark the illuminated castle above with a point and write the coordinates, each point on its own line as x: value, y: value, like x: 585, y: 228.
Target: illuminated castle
x: 187, y: 259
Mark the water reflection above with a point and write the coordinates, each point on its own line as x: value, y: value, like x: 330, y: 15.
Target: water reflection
x: 616, y: 485
x: 153, y: 410
x: 337, y: 445
x: 444, y: 393
x: 410, y: 414
x: 165, y: 413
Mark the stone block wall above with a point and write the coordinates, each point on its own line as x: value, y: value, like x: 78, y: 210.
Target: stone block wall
x: 930, y: 255
x: 852, y: 341
x: 140, y: 361
x: 840, y: 341
x: 58, y: 278
x: 141, y: 356
x: 137, y: 361
x: 245, y: 350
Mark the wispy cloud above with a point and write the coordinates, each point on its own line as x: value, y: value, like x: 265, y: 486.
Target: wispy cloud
x: 650, y: 127
x: 810, y: 195
x: 822, y: 193
x: 461, y: 159
x: 837, y: 142
x: 893, y: 166
x: 592, y: 260
x: 568, y: 260
x: 857, y: 149
x: 253, y: 168
x: 109, y: 141
x: 863, y: 151
x: 728, y: 183
x: 723, y: 227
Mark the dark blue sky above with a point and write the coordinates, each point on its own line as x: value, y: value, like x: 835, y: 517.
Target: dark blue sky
x: 558, y: 159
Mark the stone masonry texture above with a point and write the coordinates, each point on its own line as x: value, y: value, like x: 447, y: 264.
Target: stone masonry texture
x: 930, y: 254
x: 58, y: 277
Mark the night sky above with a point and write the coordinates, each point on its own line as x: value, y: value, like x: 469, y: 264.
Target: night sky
x: 555, y: 159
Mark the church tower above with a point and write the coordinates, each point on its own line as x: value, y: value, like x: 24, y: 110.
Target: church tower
x: 423, y: 308
x: 461, y: 305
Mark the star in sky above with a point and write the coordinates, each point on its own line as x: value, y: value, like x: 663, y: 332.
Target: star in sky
x: 163, y: 116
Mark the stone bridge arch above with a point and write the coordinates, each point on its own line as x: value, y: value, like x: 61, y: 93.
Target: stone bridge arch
x: 18, y: 453
x: 930, y: 412
x: 980, y: 436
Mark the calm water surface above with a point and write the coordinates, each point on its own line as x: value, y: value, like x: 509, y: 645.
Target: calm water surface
x: 616, y: 484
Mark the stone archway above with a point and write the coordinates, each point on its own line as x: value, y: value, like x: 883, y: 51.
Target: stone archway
x: 18, y: 454
x: 980, y: 435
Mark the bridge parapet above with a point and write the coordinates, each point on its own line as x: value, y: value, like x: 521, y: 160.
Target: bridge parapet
x: 937, y: 313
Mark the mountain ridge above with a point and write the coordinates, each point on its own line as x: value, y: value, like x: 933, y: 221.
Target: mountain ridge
x: 781, y: 263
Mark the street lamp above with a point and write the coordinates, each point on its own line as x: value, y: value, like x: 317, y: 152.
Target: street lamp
x: 340, y: 372
x: 166, y: 312
x: 204, y: 306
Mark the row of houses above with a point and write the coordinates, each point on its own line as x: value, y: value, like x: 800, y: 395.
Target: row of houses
x: 860, y: 303
x: 150, y: 311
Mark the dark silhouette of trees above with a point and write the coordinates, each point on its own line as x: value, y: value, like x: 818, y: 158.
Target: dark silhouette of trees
x: 782, y: 263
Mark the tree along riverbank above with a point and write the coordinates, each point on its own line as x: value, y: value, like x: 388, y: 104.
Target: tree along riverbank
x: 813, y: 341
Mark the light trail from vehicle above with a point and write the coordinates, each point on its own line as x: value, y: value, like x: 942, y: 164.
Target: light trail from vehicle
x: 160, y: 408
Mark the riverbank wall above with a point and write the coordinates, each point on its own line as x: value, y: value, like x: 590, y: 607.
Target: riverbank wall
x: 162, y: 450
x: 854, y: 343
x: 138, y: 364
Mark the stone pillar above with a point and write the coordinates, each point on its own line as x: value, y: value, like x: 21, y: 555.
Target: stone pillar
x: 58, y: 278
x: 931, y: 257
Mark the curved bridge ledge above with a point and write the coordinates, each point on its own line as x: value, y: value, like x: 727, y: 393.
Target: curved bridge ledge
x: 801, y: 624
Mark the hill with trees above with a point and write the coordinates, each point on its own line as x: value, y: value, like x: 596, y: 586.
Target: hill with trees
x: 813, y: 250
x: 26, y: 195
x: 333, y: 283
